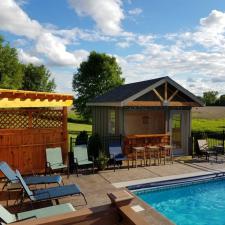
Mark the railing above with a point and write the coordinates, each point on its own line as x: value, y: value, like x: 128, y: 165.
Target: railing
x: 213, y: 139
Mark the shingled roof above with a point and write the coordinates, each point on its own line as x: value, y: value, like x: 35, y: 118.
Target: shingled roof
x: 125, y: 91
x: 128, y: 91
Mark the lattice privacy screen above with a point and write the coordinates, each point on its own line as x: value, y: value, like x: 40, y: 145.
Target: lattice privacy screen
x: 13, y: 119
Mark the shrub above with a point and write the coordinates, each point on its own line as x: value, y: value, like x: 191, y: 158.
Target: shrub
x: 94, y: 145
x: 82, y: 138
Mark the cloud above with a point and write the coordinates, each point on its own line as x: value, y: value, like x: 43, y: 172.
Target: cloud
x: 135, y: 11
x: 106, y: 14
x: 14, y: 20
x: 123, y: 44
x: 26, y: 58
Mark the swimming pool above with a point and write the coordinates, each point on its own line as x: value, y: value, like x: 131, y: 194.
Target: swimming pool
x: 197, y: 203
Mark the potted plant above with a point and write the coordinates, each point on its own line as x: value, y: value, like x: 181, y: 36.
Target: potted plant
x: 102, y: 160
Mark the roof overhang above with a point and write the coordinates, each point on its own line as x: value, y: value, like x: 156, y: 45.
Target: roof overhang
x: 131, y: 100
x: 30, y: 99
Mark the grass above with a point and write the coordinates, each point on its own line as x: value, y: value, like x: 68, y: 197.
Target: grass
x: 76, y: 124
x: 212, y: 125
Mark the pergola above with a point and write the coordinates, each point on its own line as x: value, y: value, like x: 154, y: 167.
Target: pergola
x: 29, y: 123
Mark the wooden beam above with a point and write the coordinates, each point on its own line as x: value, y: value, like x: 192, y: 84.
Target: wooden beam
x: 173, y: 95
x: 144, y: 103
x: 158, y: 95
x: 191, y: 104
x: 158, y: 103
x: 30, y: 103
x: 165, y: 91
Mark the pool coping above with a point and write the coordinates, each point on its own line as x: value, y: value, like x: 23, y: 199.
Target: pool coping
x: 140, y: 182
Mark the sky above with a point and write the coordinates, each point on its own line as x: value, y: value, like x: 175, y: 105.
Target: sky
x: 149, y: 38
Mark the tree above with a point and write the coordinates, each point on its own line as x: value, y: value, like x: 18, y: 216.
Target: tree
x: 210, y: 97
x: 99, y: 74
x: 221, y: 100
x: 37, y: 78
x: 11, y: 70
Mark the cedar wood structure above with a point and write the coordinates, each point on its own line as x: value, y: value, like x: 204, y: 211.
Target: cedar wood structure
x: 153, y: 112
x: 30, y: 122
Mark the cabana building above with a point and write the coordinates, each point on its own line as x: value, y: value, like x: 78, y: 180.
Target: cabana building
x: 30, y: 122
x: 156, y: 111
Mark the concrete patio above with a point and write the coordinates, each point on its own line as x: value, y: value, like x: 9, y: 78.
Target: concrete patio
x: 96, y: 186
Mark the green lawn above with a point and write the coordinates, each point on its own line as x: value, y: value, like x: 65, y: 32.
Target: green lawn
x: 76, y: 124
x: 208, y: 124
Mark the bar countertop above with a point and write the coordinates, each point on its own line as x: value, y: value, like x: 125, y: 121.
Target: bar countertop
x: 134, y: 136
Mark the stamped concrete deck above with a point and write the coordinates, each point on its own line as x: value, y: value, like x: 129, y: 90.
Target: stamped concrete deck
x: 95, y: 187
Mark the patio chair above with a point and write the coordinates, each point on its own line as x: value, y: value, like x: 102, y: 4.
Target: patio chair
x: 30, y: 180
x: 54, y: 159
x: 205, y: 150
x: 117, y: 155
x: 53, y: 193
x: 7, y: 217
x: 81, y: 157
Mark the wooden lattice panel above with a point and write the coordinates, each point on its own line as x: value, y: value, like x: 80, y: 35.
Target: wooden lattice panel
x: 47, y: 119
x: 13, y: 119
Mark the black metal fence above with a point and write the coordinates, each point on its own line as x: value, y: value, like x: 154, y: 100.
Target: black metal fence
x: 213, y: 139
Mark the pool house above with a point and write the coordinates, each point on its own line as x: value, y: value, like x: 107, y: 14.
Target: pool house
x: 154, y: 112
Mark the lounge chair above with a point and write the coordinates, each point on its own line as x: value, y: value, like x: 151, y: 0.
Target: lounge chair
x: 53, y: 193
x: 30, y: 180
x: 117, y: 156
x: 54, y: 159
x: 7, y: 217
x: 205, y: 150
x: 81, y: 157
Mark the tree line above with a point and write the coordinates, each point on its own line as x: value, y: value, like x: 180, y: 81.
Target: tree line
x: 212, y: 98
x: 15, y: 75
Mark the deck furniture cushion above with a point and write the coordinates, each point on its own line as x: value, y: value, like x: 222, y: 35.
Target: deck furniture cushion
x: 8, y: 217
x: 81, y: 156
x: 49, y: 193
x: 117, y: 155
x: 205, y: 150
x: 54, y: 159
x: 30, y: 180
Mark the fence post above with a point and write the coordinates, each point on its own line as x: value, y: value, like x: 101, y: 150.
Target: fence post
x: 223, y: 139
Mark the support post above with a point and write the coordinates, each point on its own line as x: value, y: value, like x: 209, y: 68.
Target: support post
x: 65, y: 135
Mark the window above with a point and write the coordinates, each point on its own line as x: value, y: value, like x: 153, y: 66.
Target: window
x: 112, y: 122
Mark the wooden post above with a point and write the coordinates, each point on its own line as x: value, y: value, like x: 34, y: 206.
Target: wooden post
x: 65, y: 135
x: 165, y: 91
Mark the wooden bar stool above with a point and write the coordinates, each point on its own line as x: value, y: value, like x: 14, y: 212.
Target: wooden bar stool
x: 139, y: 153
x: 167, y: 151
x: 155, y: 151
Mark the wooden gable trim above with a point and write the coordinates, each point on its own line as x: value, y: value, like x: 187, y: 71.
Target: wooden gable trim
x: 146, y: 90
x: 159, y: 103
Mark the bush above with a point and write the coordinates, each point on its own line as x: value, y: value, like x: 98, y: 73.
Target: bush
x: 94, y: 145
x: 82, y: 138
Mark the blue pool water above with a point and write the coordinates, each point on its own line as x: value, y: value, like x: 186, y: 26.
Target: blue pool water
x: 196, y: 204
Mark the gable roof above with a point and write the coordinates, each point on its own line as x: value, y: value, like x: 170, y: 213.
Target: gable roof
x: 129, y: 92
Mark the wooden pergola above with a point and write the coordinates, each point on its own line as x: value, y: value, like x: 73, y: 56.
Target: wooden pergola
x: 29, y: 123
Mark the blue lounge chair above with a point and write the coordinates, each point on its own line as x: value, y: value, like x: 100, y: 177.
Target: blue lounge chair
x: 117, y: 155
x: 53, y: 193
x: 30, y: 180
x: 7, y: 217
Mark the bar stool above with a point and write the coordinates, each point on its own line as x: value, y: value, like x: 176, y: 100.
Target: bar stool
x: 155, y: 151
x: 139, y: 154
x: 167, y: 151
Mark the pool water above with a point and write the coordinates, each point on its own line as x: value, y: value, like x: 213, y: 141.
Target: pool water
x: 195, y: 204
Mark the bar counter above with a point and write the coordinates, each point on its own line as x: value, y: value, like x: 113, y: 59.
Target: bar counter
x: 140, y: 140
